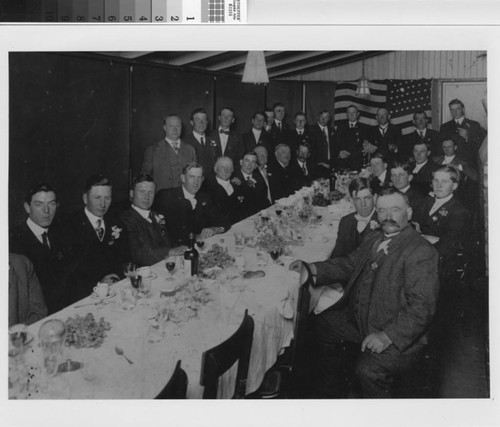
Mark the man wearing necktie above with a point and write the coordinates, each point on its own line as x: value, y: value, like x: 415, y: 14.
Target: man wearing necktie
x: 422, y: 168
x: 299, y: 134
x: 97, y: 239
x: 41, y: 239
x: 421, y: 134
x: 384, y: 137
x: 304, y: 171
x: 147, y: 230
x: 228, y: 143
x: 391, y: 288
x: 467, y: 134
x: 165, y: 159
x: 257, y: 135
x: 279, y: 128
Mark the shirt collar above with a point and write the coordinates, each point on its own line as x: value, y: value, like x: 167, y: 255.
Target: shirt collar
x: 245, y: 175
x: 142, y: 212
x: 92, y: 218
x: 35, y: 228
x: 381, y: 178
x: 321, y: 126
x: 277, y: 121
x: 364, y: 218
x: 172, y: 143
x: 187, y: 194
x: 198, y: 136
x: 460, y: 120
x: 442, y: 201
x: 281, y: 164
x: 384, y: 126
x: 404, y: 190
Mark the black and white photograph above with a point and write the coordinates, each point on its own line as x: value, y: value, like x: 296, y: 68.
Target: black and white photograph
x: 292, y: 224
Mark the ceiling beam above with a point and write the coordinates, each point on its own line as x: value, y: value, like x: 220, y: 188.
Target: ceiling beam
x: 293, y: 58
x: 192, y: 57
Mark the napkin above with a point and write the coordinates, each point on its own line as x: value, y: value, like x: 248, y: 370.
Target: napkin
x: 323, y: 297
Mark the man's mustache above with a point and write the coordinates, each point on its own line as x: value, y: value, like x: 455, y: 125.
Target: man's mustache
x: 390, y: 222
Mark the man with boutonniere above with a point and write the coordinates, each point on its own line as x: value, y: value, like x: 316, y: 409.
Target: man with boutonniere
x: 441, y: 218
x: 147, y: 230
x: 389, y: 300
x: 98, y: 240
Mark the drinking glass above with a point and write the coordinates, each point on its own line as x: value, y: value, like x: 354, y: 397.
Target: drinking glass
x: 136, y: 280
x: 200, y: 243
x: 129, y: 268
x: 238, y: 241
x: 170, y: 264
x: 279, y: 209
x: 51, y: 336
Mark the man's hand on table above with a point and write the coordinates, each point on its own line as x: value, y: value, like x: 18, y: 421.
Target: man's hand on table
x: 377, y: 342
x: 110, y: 279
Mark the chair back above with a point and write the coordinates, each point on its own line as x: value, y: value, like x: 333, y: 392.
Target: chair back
x: 219, y: 359
x: 177, y: 385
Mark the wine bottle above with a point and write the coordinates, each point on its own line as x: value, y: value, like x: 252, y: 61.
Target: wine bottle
x: 191, y: 257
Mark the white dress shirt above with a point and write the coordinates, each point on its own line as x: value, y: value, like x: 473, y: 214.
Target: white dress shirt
x: 190, y: 197
x: 223, y: 139
x: 447, y: 160
x: 438, y: 203
x: 198, y: 137
x: 419, y: 166
x: 94, y: 220
x: 363, y: 221
x: 37, y: 230
x: 143, y: 213
x: 226, y: 185
x: 256, y: 134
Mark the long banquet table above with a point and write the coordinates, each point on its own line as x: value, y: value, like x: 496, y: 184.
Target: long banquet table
x: 270, y: 300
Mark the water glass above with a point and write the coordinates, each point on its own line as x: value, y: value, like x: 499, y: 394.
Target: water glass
x: 238, y: 241
x: 51, y: 337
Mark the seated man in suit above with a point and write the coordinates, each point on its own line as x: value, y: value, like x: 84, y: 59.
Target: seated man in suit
x: 467, y: 134
x: 421, y: 134
x: 251, y: 185
x: 26, y: 302
x: 41, y: 239
x: 381, y: 177
x: 146, y: 229
x: 257, y: 135
x: 322, y: 144
x: 164, y: 160
x: 204, y: 146
x: 97, y: 239
x: 188, y: 210
x: 281, y: 173
x: 388, y: 303
x: 441, y: 218
x: 228, y: 143
x: 401, y: 178
x: 226, y: 197
x: 384, y: 137
x: 303, y: 169
x: 422, y: 168
x: 354, y: 227
x: 262, y: 155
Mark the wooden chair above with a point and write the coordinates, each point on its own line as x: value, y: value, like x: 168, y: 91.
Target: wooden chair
x: 219, y: 359
x: 177, y: 385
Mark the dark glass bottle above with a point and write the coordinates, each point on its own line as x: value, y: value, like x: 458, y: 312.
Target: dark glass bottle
x: 191, y: 257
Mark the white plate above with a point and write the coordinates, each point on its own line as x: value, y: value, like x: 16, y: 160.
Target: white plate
x: 111, y: 294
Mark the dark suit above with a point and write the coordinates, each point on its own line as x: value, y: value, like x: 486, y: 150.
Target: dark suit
x: 301, y: 178
x: 250, y: 143
x: 432, y: 138
x: 281, y: 180
x: 164, y: 165
x: 228, y: 207
x: 377, y: 185
x: 422, y: 180
x: 415, y: 197
x: 293, y: 139
x: 395, y: 293
x: 182, y: 219
x: 348, y: 237
x: 93, y: 259
x: 26, y: 302
x: 278, y: 136
x: 389, y: 143
x: 451, y: 223
x: 205, y: 154
x: 148, y: 241
x: 254, y: 196
x: 319, y: 144
x: 234, y: 147
x: 467, y: 149
x: 50, y: 264
x: 351, y: 140
x: 461, y: 164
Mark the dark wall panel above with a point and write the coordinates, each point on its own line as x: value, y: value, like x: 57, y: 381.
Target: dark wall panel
x: 68, y: 119
x: 319, y: 97
x: 244, y: 98
x: 287, y: 92
x: 157, y: 92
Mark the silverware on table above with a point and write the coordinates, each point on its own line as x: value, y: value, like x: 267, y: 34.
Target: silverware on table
x: 120, y: 352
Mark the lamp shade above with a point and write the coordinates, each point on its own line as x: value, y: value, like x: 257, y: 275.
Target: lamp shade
x: 255, y: 68
x: 363, y: 89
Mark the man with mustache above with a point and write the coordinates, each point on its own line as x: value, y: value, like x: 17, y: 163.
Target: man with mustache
x: 391, y: 287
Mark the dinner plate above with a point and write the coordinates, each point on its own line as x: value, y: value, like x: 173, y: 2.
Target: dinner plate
x: 111, y: 294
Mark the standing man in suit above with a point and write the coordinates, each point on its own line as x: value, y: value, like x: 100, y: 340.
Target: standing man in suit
x: 98, y: 240
x: 257, y: 135
x: 281, y: 170
x: 467, y: 134
x: 188, y: 210
x: 351, y: 136
x: 388, y: 304
x: 251, y: 184
x: 269, y: 112
x: 298, y: 135
x: 443, y: 220
x: 354, y: 227
x: 421, y: 134
x: 41, y: 239
x: 384, y: 137
x: 204, y: 146
x: 165, y: 159
x: 422, y: 167
x: 401, y: 177
x: 322, y: 145
x: 279, y: 129
x: 228, y: 142
x: 381, y: 178
x: 146, y: 229
x: 226, y: 197
x: 262, y: 155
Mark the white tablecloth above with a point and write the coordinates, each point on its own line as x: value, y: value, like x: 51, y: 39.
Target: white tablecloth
x: 106, y: 375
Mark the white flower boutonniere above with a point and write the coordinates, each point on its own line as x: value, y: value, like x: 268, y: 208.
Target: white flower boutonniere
x: 251, y: 182
x: 241, y: 198
x: 443, y: 212
x: 204, y: 204
x: 160, y: 219
x: 374, y: 225
x: 212, y: 143
x: 434, y: 218
x: 115, y: 234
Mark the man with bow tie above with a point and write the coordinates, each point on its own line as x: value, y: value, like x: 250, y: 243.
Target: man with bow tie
x: 146, y: 229
x: 98, y: 240
x: 421, y: 134
x: 384, y: 137
x: 467, y: 134
x: 41, y: 239
x: 441, y: 218
x: 165, y: 159
x: 187, y: 210
x: 391, y: 288
x: 354, y: 227
x: 228, y: 143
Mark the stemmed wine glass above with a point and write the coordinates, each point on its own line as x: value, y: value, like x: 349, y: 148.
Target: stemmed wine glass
x: 129, y: 269
x: 170, y: 264
x: 200, y: 243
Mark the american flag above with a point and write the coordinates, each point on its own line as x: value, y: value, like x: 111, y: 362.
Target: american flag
x: 401, y: 97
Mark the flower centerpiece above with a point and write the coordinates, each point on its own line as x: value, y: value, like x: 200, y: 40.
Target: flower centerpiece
x: 271, y: 242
